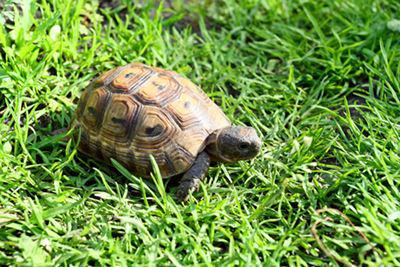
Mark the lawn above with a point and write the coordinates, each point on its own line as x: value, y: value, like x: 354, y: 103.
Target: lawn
x: 318, y: 80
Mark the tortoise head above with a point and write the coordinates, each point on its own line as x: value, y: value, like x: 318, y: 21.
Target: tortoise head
x: 234, y: 143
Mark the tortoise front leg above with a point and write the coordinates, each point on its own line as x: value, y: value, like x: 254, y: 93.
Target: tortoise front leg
x: 190, y: 181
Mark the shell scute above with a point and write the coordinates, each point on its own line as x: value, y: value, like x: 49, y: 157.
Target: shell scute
x: 105, y: 77
x: 94, y: 108
x: 158, y: 91
x: 155, y: 129
x: 120, y: 118
x: 185, y: 111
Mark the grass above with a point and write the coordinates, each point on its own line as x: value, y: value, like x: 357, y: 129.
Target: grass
x: 319, y: 80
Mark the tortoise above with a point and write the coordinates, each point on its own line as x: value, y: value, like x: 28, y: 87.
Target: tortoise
x: 134, y: 111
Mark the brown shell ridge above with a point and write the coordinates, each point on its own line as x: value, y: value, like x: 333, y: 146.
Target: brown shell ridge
x: 142, y: 81
x: 89, y: 145
x: 109, y: 76
x: 170, y: 163
x: 181, y: 158
x: 186, y: 124
x: 182, y: 150
x: 152, y: 93
x: 129, y: 82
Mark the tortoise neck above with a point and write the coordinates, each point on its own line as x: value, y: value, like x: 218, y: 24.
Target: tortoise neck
x: 212, y: 147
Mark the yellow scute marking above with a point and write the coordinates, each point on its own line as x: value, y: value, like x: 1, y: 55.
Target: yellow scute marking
x: 94, y: 106
x: 154, y: 87
x: 119, y: 110
x: 105, y: 75
x: 127, y: 77
x: 185, y: 105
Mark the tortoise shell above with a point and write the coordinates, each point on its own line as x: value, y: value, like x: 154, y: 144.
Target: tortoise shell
x: 134, y: 111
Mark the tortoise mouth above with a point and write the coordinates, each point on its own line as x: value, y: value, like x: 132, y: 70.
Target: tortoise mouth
x: 230, y: 159
x: 224, y: 159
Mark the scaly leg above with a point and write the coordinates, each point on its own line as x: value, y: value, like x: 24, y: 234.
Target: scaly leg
x: 190, y: 181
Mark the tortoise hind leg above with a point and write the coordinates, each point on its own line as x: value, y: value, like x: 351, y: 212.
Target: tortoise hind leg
x: 190, y: 181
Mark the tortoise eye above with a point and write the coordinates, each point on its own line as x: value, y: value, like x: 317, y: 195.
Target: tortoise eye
x: 243, y: 146
x: 154, y: 131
